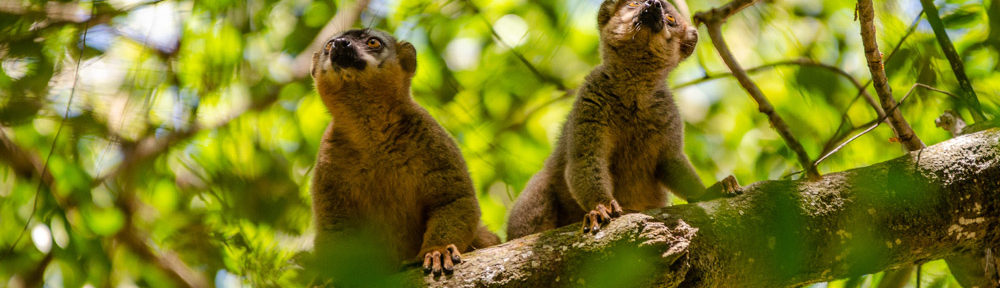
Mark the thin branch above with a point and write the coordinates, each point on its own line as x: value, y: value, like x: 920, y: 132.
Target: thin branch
x: 763, y: 105
x: 531, y: 66
x: 720, y: 14
x: 524, y: 117
x: 968, y: 94
x: 837, y: 136
x: 902, y: 129
x: 343, y: 20
x: 796, y: 62
x: 879, y: 120
x: 55, y: 140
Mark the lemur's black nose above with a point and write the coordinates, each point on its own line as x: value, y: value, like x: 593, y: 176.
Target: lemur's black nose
x: 652, y: 15
x: 341, y: 43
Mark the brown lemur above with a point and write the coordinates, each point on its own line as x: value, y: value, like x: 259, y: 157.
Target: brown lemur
x: 384, y: 163
x: 623, y: 140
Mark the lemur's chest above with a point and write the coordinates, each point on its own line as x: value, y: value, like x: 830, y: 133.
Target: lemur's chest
x: 638, y: 122
x: 379, y: 164
x: 640, y: 131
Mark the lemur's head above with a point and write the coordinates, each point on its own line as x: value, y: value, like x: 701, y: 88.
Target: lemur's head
x: 363, y: 58
x: 645, y: 30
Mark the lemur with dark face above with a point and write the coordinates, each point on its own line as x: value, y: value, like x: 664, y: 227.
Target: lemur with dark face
x: 384, y: 164
x: 623, y: 140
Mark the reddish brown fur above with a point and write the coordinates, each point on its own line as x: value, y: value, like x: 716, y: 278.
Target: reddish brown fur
x: 385, y: 165
x: 622, y: 143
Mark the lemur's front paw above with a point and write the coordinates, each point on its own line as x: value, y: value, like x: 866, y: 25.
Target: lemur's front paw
x: 730, y: 187
x: 441, y: 258
x: 727, y: 187
x: 600, y: 216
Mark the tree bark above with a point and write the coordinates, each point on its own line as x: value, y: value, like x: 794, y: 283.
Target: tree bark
x: 928, y: 204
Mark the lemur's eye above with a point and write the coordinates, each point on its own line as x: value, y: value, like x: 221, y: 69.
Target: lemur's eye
x: 374, y: 43
x: 633, y: 4
x: 670, y: 18
x: 329, y: 46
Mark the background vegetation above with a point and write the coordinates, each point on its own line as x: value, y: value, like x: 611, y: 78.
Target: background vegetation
x: 180, y: 137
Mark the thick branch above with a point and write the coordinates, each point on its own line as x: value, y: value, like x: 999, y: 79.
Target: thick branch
x: 763, y: 105
x: 968, y: 94
x: 899, y: 125
x: 925, y: 205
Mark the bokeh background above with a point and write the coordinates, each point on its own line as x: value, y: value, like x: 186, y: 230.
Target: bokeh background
x: 181, y: 131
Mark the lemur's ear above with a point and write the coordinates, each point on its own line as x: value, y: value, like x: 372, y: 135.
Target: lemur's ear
x: 407, y: 56
x: 688, y: 42
x: 604, y: 14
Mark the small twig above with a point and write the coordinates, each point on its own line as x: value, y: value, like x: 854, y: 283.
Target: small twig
x: 796, y: 62
x: 837, y: 136
x: 968, y: 94
x: 719, y: 14
x: 513, y: 124
x: 55, y: 140
x: 340, y: 22
x: 531, y: 66
x: 879, y: 120
x: 764, y: 106
x: 902, y: 129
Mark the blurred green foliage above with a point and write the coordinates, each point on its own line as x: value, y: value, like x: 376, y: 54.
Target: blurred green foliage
x: 229, y: 192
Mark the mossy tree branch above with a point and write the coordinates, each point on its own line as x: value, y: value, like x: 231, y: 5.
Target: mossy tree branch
x: 925, y: 205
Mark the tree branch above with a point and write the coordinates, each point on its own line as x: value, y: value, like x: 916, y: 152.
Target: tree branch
x: 968, y: 94
x: 902, y: 129
x: 763, y: 105
x: 918, y: 207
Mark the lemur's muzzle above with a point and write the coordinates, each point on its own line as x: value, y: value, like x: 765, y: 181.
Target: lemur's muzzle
x: 344, y: 55
x: 652, y: 15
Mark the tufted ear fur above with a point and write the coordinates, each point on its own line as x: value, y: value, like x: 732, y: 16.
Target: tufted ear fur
x: 604, y: 14
x: 407, y: 56
x: 312, y: 66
